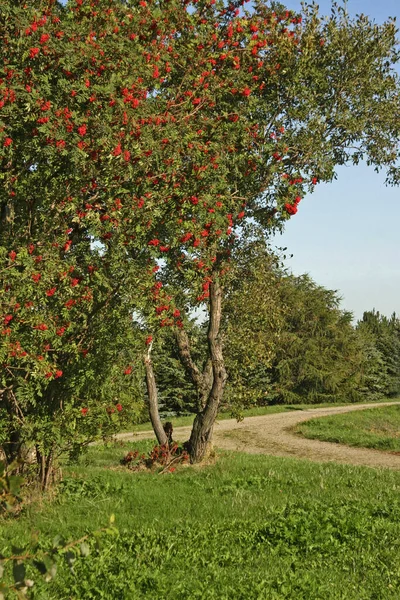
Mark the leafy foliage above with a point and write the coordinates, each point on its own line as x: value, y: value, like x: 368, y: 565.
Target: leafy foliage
x: 381, y: 336
x: 37, y: 564
x: 287, y: 339
x: 10, y: 486
x: 254, y: 319
x: 248, y: 527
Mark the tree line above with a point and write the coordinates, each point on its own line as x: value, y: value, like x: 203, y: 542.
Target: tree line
x: 288, y: 341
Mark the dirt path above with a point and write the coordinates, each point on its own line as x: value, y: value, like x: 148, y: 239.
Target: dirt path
x: 271, y: 434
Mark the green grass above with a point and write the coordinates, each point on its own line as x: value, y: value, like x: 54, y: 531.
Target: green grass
x: 249, y: 412
x: 246, y: 528
x: 377, y: 428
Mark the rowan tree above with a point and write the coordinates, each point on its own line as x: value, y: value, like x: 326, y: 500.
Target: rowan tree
x: 302, y: 96
x: 156, y: 128
x: 68, y: 351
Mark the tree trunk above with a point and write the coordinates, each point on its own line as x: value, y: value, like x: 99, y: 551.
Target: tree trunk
x: 202, y: 380
x: 207, y: 383
x: 201, y: 436
x: 153, y: 400
x: 48, y: 470
x: 46, y: 467
x: 13, y: 445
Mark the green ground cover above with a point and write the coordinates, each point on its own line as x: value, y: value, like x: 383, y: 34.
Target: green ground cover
x: 246, y: 528
x: 377, y: 428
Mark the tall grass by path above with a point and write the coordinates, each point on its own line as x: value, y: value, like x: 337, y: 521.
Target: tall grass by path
x: 247, y: 527
x: 377, y: 428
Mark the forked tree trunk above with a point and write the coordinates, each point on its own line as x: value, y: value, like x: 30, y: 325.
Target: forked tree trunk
x: 202, y: 380
x: 153, y: 399
x: 201, y: 436
x: 210, y: 384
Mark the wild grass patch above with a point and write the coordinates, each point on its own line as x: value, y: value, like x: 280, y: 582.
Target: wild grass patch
x: 247, y: 527
x: 377, y: 428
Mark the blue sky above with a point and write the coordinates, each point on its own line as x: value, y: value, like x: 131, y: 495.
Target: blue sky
x: 346, y: 234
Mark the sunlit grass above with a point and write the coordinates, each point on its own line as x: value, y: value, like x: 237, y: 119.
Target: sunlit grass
x: 246, y: 526
x: 377, y: 428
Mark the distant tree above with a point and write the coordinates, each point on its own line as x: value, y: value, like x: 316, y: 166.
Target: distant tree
x: 287, y: 340
x: 382, y: 338
x: 318, y: 358
x: 253, y: 322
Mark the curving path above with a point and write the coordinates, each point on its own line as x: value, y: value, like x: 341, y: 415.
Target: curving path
x: 272, y: 434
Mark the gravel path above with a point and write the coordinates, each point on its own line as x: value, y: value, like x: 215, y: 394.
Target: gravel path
x: 273, y: 435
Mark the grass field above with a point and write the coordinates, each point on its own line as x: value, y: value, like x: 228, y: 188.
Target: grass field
x: 245, y: 528
x: 377, y: 428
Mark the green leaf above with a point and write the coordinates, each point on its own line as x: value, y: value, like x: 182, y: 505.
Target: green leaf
x: 85, y: 549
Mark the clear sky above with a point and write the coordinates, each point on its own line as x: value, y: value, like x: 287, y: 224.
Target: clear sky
x: 346, y: 234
